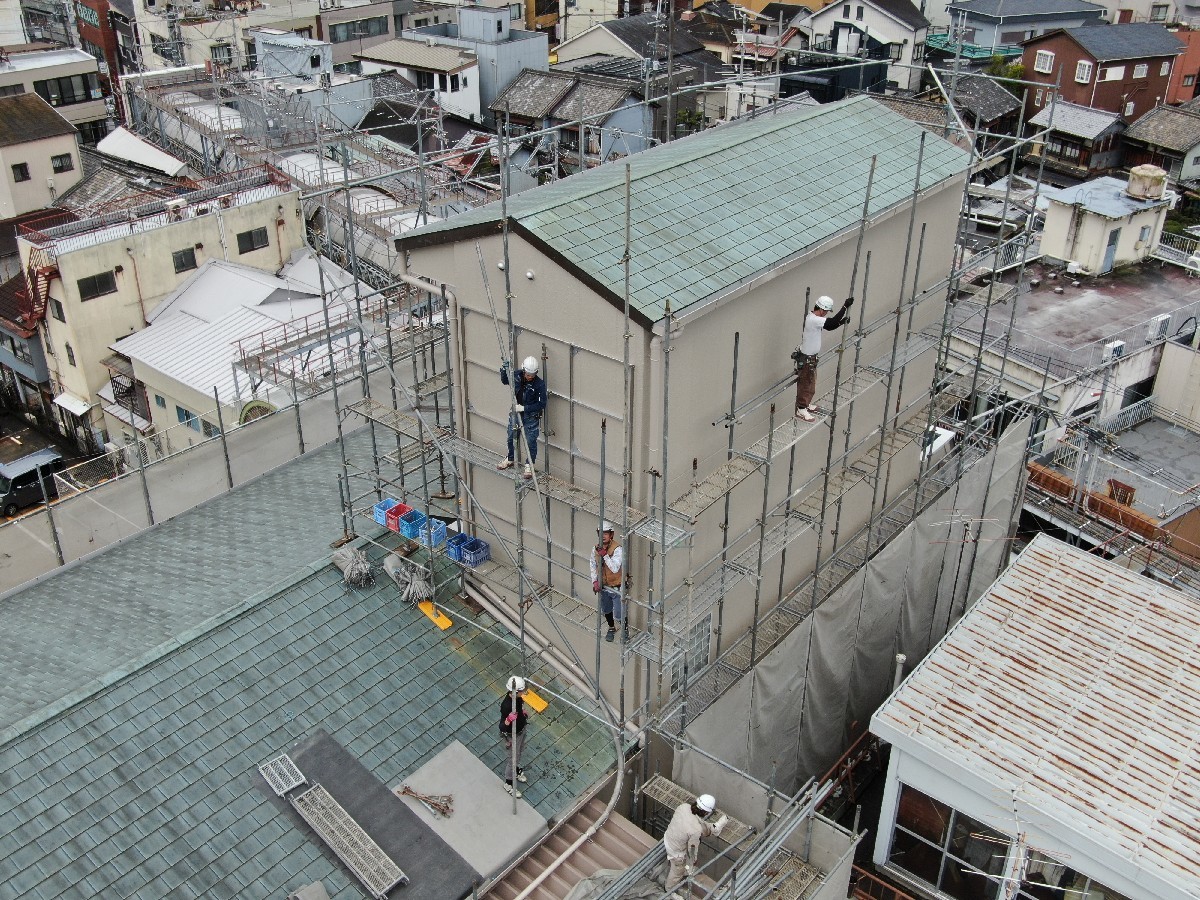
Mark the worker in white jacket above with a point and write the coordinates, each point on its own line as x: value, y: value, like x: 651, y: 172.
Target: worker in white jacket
x: 607, y: 567
x: 682, y: 839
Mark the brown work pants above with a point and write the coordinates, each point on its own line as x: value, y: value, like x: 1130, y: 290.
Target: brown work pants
x: 806, y: 381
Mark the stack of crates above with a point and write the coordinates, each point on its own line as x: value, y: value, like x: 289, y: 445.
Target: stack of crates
x: 394, y: 514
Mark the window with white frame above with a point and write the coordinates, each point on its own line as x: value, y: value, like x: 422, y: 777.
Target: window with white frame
x: 1165, y: 69
x: 1129, y: 108
x: 1189, y: 80
x: 1158, y: 12
x: 950, y: 851
x: 1083, y: 71
x: 1144, y: 234
x: 1114, y: 73
x: 1037, y: 97
x: 1044, y: 876
x: 1043, y: 62
x: 1141, y: 70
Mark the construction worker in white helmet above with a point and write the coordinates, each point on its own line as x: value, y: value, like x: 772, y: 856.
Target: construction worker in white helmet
x: 607, y: 565
x: 529, y: 391
x: 816, y: 323
x: 512, y: 732
x: 683, y: 835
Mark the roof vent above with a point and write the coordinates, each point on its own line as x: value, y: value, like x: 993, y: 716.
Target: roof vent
x: 1146, y: 183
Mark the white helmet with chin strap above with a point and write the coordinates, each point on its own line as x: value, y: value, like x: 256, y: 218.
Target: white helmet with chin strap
x: 825, y: 303
x: 517, y: 684
x: 530, y: 366
x: 706, y: 803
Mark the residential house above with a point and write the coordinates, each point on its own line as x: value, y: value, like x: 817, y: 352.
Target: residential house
x: 98, y: 37
x: 1106, y: 222
x: 39, y: 155
x: 69, y: 80
x: 1157, y: 11
x: 633, y: 74
x: 933, y: 117
x: 1068, y: 772
x: 1168, y: 137
x: 450, y: 73
x: 615, y: 121
x: 1082, y: 142
x: 352, y: 27
x: 713, y: 258
x: 892, y: 30
x: 983, y: 103
x: 96, y: 280
x: 995, y: 24
x: 1124, y: 69
x: 24, y: 377
x: 502, y: 51
x: 180, y: 367
x: 47, y: 21
x: 1187, y: 65
x: 122, y: 20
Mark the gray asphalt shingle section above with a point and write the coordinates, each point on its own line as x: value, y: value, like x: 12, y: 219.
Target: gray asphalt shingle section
x: 150, y: 788
x: 71, y: 630
x: 1010, y: 9
x: 1134, y: 40
x: 717, y: 208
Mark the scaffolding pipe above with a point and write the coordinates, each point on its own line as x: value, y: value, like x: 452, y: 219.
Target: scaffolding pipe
x: 762, y: 534
x: 731, y: 425
x: 597, y: 551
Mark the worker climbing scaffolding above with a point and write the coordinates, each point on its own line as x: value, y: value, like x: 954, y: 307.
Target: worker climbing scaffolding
x: 806, y: 355
x: 529, y: 390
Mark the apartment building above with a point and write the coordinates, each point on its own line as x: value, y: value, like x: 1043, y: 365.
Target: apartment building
x: 68, y: 79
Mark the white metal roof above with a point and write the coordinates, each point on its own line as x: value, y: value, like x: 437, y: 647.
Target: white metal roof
x: 41, y: 59
x: 1072, y: 689
x: 121, y: 143
x: 192, y: 333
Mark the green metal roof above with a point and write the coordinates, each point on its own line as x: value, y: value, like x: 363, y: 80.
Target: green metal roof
x: 715, y: 209
x: 149, y: 789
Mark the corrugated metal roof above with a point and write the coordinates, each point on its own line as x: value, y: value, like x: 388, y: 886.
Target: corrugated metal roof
x: 419, y: 55
x: 1072, y: 687
x: 716, y: 209
x: 1080, y: 121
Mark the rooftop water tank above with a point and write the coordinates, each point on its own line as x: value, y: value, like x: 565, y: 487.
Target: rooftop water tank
x: 1147, y: 182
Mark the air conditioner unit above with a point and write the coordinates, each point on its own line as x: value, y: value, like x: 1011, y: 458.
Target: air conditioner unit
x: 201, y: 211
x: 1156, y: 330
x: 1113, y: 350
x: 175, y: 210
x: 1193, y: 265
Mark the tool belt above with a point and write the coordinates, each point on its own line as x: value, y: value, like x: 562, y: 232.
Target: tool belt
x: 801, y: 359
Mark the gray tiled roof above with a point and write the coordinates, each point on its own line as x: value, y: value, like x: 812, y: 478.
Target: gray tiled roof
x: 25, y: 118
x: 533, y: 93
x: 1167, y: 127
x: 1073, y: 119
x: 593, y: 98
x: 904, y: 10
x: 982, y: 97
x: 149, y: 789
x: 1011, y: 8
x: 713, y: 210
x: 643, y: 35
x: 1134, y: 40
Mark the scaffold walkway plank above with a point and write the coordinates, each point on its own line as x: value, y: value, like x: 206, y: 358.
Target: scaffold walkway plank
x: 671, y: 795
x: 432, y: 384
x: 346, y: 838
x: 712, y: 489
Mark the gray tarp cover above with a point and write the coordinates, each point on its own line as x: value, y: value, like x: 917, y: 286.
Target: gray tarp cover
x: 593, y: 886
x: 797, y: 708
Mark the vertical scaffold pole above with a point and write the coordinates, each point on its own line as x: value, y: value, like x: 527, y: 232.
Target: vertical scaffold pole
x: 762, y: 534
x: 600, y: 563
x: 731, y: 424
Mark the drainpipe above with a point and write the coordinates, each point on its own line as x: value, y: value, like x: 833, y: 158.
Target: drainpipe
x: 138, y: 284
x: 280, y: 225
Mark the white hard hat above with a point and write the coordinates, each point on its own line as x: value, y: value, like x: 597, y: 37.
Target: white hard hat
x: 531, y: 364
x: 706, y: 802
x: 607, y: 526
x: 825, y: 303
x: 516, y: 683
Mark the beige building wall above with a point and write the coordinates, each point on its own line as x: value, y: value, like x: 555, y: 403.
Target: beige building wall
x: 1075, y: 235
x: 201, y: 34
x: 44, y: 184
x: 144, y: 273
x: 1177, y: 386
x: 597, y: 40
x: 88, y: 111
x: 582, y: 335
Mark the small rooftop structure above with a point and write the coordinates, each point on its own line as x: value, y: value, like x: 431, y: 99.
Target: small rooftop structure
x: 122, y: 144
x: 26, y: 118
x: 424, y: 55
x: 1076, y: 120
x: 1061, y: 712
x: 1105, y: 196
x: 44, y: 59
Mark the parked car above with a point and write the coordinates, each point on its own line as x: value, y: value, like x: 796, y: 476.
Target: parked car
x: 21, y: 480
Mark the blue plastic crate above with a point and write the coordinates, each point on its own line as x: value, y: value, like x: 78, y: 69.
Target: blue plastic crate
x: 476, y: 551
x: 433, y: 533
x: 454, y: 545
x: 411, y: 522
x: 380, y: 509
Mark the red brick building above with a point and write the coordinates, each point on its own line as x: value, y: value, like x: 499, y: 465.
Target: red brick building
x: 1186, y: 71
x: 1124, y: 69
x: 97, y: 37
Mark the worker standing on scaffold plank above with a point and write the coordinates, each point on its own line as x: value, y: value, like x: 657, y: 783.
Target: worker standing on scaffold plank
x: 815, y: 324
x: 607, y: 565
x: 530, y: 392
